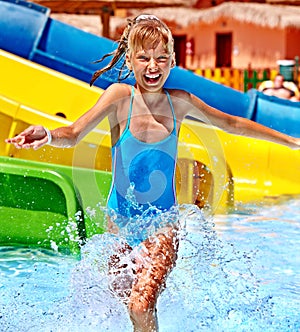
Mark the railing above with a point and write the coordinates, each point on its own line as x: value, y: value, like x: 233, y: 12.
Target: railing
x: 239, y: 79
x: 227, y: 76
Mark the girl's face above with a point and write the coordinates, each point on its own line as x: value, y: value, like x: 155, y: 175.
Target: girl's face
x: 151, y: 67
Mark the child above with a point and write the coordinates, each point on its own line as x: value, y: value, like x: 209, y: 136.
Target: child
x: 145, y: 120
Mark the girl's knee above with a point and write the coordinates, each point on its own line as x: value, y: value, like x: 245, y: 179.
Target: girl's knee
x: 142, y: 301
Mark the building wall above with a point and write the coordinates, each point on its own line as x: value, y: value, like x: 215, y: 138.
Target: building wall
x: 292, y: 43
x: 252, y: 45
x: 258, y: 46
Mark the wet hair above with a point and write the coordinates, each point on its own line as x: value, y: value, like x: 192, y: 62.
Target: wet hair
x: 142, y: 32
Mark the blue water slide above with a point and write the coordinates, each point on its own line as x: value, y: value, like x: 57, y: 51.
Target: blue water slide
x: 21, y: 24
x: 28, y: 30
x: 280, y: 114
x: 32, y: 34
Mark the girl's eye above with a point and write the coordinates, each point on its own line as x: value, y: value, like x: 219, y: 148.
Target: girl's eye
x: 162, y: 58
x: 142, y: 58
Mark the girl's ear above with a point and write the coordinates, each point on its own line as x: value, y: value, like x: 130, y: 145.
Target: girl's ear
x: 173, y: 62
x: 128, y: 63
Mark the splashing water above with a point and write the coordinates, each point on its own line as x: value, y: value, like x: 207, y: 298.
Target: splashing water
x: 234, y: 273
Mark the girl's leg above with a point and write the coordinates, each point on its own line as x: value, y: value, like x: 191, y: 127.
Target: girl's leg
x: 158, y: 257
x: 121, y: 270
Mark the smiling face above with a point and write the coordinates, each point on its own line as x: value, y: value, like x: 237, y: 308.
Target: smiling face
x: 151, y: 67
x: 150, y: 54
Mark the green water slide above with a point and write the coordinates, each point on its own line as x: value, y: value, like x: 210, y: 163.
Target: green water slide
x: 50, y: 206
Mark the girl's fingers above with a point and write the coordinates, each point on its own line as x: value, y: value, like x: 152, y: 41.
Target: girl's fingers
x: 33, y: 137
x: 38, y: 144
x: 35, y: 145
x: 17, y: 139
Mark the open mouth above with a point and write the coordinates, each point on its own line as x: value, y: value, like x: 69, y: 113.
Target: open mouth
x: 152, y: 78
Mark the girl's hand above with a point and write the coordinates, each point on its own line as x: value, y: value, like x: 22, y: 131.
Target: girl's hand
x: 33, y: 137
x: 293, y: 142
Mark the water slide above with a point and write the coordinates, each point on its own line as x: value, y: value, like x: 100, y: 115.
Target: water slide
x: 31, y: 33
x: 44, y: 70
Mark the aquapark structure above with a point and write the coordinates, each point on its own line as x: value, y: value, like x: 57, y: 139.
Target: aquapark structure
x: 55, y: 197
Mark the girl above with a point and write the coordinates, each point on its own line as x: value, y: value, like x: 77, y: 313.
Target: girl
x: 145, y: 120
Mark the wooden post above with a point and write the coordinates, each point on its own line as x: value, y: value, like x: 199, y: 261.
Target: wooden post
x: 105, y: 19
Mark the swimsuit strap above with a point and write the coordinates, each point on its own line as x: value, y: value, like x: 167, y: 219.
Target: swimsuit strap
x: 173, y: 111
x: 130, y: 110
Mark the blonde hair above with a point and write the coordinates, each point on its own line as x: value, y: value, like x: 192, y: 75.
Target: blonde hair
x: 142, y: 32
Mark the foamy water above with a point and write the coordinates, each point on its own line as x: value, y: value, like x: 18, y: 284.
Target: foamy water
x: 237, y: 272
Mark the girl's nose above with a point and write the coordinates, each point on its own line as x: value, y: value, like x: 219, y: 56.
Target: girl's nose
x: 152, y: 63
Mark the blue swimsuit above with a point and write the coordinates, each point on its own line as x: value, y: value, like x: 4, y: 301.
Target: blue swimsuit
x: 143, y: 183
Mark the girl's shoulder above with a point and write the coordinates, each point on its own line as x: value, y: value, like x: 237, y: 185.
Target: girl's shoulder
x: 119, y: 90
x: 182, y: 101
x: 180, y: 96
x: 177, y: 93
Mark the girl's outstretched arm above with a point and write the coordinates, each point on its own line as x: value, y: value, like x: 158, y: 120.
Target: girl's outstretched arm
x: 239, y: 125
x: 37, y: 136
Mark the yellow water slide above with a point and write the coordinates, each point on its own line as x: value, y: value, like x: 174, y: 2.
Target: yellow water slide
x: 215, y: 169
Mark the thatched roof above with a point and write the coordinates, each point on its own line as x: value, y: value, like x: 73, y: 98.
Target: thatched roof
x: 96, y: 6
x: 260, y: 14
x: 284, y: 2
x: 89, y: 23
x: 266, y: 15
